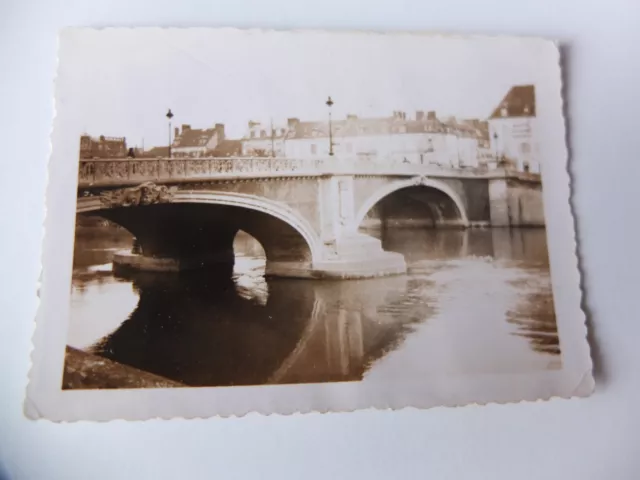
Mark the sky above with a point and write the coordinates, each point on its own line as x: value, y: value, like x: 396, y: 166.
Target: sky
x: 122, y: 82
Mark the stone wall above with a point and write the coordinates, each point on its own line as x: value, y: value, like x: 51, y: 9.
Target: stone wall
x: 476, y: 198
x: 525, y: 203
x: 516, y: 203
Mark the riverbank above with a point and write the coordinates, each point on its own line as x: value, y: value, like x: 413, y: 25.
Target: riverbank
x: 83, y: 370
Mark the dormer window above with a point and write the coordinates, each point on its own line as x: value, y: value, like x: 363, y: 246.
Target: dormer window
x: 503, y: 111
x: 526, y: 109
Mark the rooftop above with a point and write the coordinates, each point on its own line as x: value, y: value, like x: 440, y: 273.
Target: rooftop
x: 398, y: 123
x: 520, y: 101
x: 192, y: 137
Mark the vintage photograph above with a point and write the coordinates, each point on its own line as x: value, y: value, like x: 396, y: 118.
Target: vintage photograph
x: 291, y: 210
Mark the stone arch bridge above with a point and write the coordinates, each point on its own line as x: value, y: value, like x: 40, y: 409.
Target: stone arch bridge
x: 309, y: 215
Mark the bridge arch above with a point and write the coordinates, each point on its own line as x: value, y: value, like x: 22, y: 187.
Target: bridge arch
x: 398, y: 185
x: 264, y: 219
x: 259, y: 204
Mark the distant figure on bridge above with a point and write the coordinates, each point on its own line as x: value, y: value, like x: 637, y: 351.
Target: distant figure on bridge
x: 131, y: 154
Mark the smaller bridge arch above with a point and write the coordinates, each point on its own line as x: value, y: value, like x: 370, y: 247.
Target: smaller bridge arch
x: 398, y: 185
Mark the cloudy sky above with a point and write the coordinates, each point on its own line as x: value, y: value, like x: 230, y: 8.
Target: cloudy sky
x: 121, y: 82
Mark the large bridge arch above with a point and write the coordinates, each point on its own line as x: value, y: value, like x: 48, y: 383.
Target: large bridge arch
x: 266, y: 220
x: 398, y: 185
x: 260, y: 204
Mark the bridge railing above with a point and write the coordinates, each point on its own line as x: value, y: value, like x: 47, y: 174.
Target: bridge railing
x: 127, y: 171
x: 118, y: 171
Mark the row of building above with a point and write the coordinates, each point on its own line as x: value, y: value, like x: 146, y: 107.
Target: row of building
x: 506, y: 137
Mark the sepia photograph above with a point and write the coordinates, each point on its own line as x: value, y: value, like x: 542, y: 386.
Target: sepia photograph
x: 310, y: 220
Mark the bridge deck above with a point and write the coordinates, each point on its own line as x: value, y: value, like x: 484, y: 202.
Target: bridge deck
x: 133, y: 171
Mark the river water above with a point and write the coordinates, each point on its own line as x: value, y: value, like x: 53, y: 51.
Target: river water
x: 474, y: 301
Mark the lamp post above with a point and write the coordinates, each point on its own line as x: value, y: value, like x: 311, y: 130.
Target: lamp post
x: 495, y: 140
x: 330, y: 104
x: 169, y: 116
x: 273, y: 134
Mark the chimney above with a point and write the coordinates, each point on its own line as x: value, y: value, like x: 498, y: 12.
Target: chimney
x: 185, y: 127
x: 176, y: 132
x: 431, y: 115
x: 292, y: 123
x: 419, y: 116
x: 220, y: 131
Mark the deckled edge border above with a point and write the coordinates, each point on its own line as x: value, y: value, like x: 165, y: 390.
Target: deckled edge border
x: 31, y: 409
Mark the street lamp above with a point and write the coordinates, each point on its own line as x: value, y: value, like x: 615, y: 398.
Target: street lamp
x: 330, y: 104
x: 169, y: 116
x: 495, y: 141
x: 273, y: 134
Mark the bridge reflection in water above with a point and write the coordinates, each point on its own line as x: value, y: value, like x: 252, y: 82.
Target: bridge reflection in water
x: 473, y: 301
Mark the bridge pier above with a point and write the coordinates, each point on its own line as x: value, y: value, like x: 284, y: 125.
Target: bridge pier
x: 128, y: 261
x: 352, y: 257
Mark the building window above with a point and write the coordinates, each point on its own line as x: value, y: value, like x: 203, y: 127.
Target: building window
x: 525, y: 148
x: 314, y: 149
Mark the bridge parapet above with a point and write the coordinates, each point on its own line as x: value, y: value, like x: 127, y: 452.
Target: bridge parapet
x: 104, y: 172
x: 133, y: 171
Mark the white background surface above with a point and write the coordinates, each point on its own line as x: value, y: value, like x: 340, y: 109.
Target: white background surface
x: 578, y: 439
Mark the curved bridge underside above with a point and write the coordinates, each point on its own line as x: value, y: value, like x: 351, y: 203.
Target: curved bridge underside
x: 414, y: 206
x: 191, y: 230
x: 417, y: 201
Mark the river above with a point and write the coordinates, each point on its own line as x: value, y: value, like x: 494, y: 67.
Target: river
x: 473, y: 301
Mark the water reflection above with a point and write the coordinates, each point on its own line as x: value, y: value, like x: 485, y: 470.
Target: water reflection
x: 473, y: 301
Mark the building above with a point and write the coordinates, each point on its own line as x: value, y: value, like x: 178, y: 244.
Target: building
x: 191, y: 142
x: 512, y: 130
x: 394, y: 139
x: 228, y: 148
x: 102, y: 147
x: 264, y: 141
x: 155, y: 152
